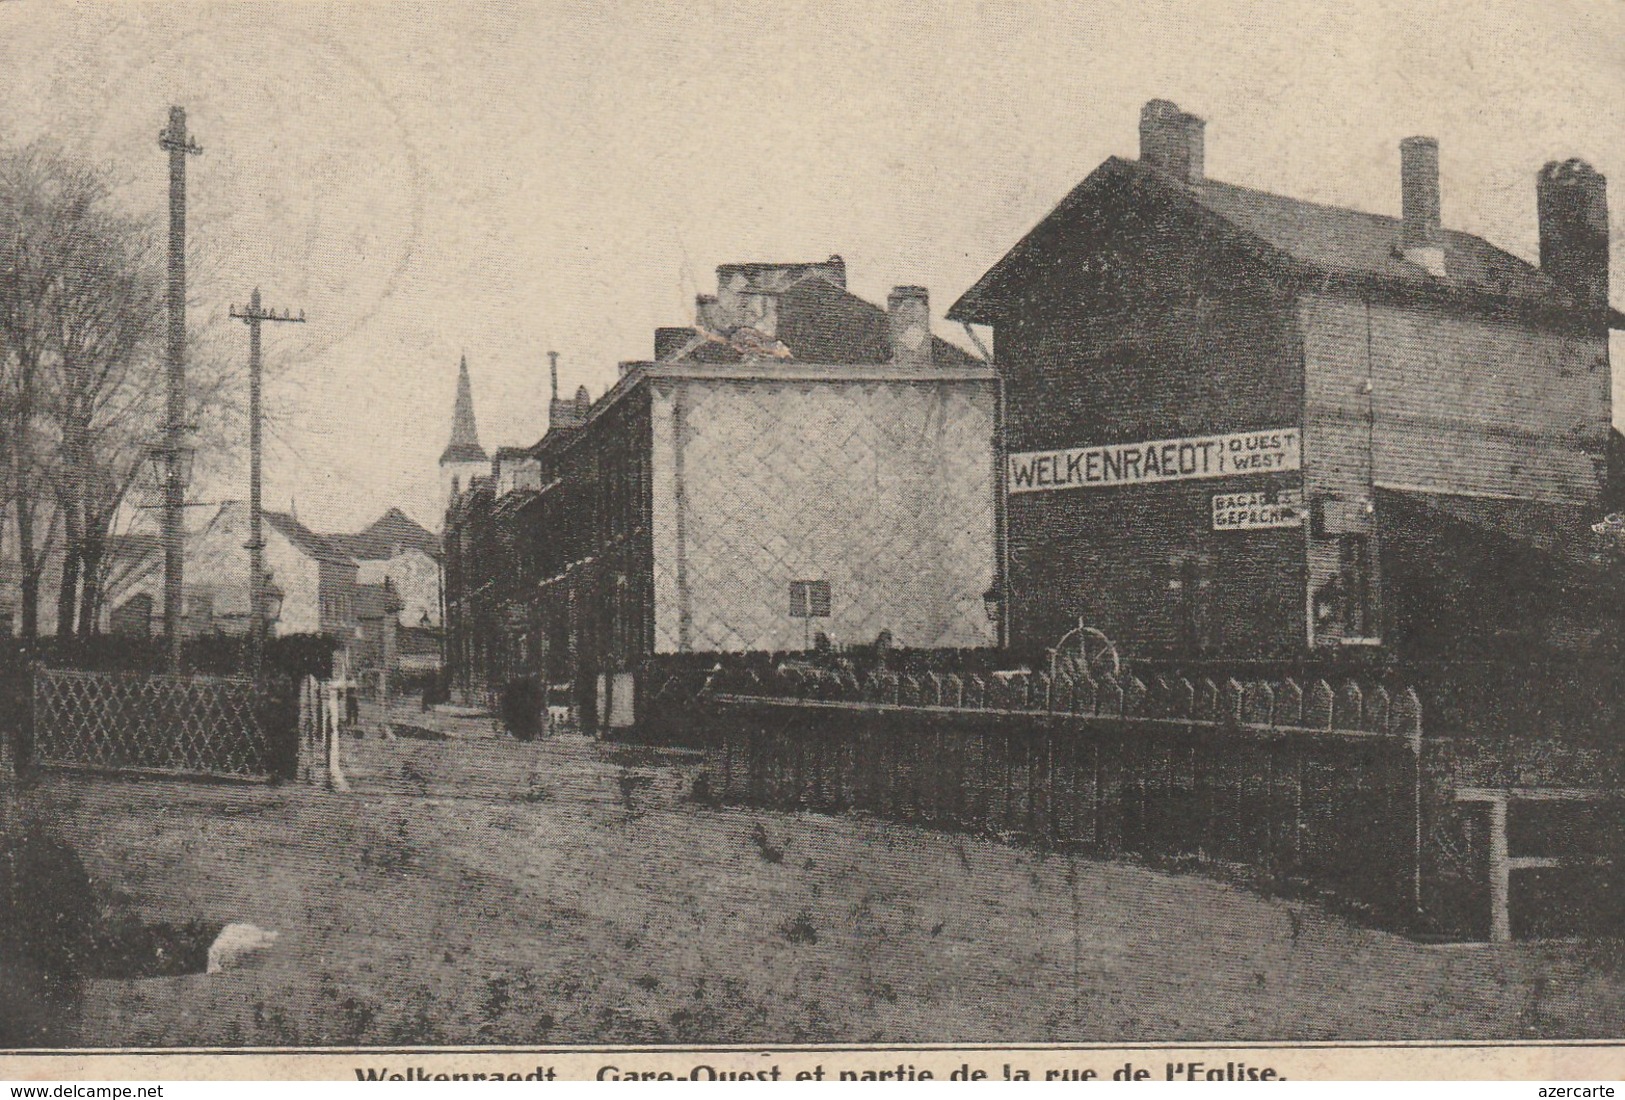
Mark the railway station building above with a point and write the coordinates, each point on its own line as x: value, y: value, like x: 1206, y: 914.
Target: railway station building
x: 1242, y: 425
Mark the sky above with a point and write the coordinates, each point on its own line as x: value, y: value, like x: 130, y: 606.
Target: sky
x: 497, y: 180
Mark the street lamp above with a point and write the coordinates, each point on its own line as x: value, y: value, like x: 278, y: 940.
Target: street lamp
x: 159, y: 455
x: 265, y: 608
x: 272, y: 596
x: 393, y: 604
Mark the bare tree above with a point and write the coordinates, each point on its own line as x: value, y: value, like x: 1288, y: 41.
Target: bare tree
x: 121, y: 466
x: 24, y: 347
x: 81, y: 319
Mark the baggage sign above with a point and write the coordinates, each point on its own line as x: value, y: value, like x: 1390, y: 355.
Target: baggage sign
x: 1253, y: 511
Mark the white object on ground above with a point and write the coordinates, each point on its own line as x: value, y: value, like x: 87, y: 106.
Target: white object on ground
x: 236, y: 942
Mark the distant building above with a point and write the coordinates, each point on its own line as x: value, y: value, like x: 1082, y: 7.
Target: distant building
x: 797, y: 465
x: 124, y: 556
x: 1244, y: 425
x: 317, y: 579
x: 397, y: 548
x: 397, y: 551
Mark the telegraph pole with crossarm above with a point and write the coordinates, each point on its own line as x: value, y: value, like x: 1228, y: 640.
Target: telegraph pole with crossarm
x: 252, y: 317
x: 174, y: 141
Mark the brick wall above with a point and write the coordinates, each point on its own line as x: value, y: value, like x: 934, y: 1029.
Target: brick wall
x: 1418, y: 398
x: 1158, y: 341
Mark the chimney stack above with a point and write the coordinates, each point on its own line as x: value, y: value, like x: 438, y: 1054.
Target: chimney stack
x: 908, y: 326
x: 705, y: 313
x: 1173, y: 142
x: 1572, y: 202
x: 1420, y: 236
x: 560, y: 414
x: 759, y: 309
x: 670, y: 342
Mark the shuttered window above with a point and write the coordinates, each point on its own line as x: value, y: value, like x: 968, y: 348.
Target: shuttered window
x: 809, y: 599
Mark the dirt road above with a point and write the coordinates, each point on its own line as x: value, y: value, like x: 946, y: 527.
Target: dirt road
x: 478, y: 890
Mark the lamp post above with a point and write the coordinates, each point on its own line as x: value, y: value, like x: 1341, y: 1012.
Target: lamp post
x: 392, y: 610
x: 171, y: 462
x: 271, y: 595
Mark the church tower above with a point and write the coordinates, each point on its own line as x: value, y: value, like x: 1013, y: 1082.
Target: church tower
x: 463, y: 457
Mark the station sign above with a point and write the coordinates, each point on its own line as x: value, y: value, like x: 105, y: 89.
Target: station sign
x: 1269, y: 451
x: 1255, y: 511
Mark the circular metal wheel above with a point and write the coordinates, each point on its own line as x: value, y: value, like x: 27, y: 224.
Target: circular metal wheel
x: 1099, y: 653
x: 1085, y: 651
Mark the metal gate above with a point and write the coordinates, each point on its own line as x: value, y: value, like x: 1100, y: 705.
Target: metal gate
x: 165, y: 725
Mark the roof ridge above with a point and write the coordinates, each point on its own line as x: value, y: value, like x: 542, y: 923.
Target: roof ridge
x: 1286, y: 231
x: 1316, y: 203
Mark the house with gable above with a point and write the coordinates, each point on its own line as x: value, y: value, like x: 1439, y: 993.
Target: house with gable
x: 317, y: 579
x: 1242, y: 424
x: 398, y: 548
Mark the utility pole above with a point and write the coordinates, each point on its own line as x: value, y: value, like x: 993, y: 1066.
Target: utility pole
x: 252, y: 316
x: 174, y: 141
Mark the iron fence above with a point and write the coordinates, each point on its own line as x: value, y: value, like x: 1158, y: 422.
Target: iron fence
x: 1322, y: 785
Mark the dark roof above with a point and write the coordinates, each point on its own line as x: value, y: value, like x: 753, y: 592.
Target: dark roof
x: 1462, y: 572
x: 417, y: 641
x: 390, y: 532
x: 832, y: 269
x: 463, y: 452
x: 819, y: 322
x: 1310, y: 237
x: 1534, y: 546
x: 1557, y: 530
x: 307, y: 541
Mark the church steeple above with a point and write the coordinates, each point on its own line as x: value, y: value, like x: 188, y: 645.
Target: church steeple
x: 463, y: 459
x: 465, y: 437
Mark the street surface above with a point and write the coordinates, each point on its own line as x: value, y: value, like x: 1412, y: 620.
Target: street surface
x: 479, y: 890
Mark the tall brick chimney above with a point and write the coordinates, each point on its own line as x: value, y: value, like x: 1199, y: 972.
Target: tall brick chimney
x: 1421, y: 238
x: 1572, y: 200
x: 908, y: 326
x: 560, y: 413
x: 1172, y: 141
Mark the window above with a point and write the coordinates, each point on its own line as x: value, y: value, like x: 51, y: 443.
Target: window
x: 1188, y: 582
x: 1345, y: 607
x: 809, y: 599
x: 1354, y: 557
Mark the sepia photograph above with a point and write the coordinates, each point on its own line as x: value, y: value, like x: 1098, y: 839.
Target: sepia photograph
x: 892, y: 534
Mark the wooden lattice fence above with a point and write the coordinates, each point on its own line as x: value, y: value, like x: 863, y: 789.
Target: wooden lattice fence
x: 203, y: 726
